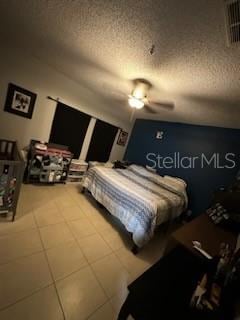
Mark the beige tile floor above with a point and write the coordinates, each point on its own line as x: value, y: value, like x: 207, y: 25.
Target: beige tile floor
x: 65, y: 258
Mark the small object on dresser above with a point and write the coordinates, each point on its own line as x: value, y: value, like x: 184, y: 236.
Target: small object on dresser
x: 198, y: 246
x: 217, y: 213
x: 227, y: 219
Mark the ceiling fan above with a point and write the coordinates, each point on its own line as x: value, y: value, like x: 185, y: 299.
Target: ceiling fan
x: 138, y: 99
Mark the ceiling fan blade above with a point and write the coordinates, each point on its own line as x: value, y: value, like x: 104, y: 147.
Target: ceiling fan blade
x: 164, y: 105
x: 117, y: 94
x: 119, y: 101
x: 149, y: 109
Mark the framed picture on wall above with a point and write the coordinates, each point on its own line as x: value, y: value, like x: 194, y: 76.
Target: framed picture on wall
x: 20, y: 101
x: 122, y: 138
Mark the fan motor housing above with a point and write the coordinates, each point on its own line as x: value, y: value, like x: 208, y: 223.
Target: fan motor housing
x: 141, y: 86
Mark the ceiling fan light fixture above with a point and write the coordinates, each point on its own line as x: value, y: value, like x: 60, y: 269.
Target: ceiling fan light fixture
x: 138, y: 93
x: 135, y: 102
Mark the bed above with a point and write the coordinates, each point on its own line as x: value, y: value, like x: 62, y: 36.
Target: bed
x: 140, y: 199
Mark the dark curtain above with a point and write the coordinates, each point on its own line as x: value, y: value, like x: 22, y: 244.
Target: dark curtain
x: 69, y: 128
x: 102, y: 141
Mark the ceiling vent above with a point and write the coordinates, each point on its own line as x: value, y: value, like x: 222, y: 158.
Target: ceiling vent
x: 232, y: 11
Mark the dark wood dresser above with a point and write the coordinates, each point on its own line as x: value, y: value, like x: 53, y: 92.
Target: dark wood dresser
x: 164, y: 291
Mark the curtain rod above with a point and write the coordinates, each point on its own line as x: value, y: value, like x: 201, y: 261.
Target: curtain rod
x: 58, y: 100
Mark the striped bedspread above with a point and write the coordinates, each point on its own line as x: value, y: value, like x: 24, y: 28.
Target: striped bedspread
x: 140, y: 201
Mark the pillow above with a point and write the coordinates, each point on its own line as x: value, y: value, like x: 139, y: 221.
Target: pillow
x: 151, y: 169
x: 108, y: 165
x: 140, y: 170
x: 176, y: 180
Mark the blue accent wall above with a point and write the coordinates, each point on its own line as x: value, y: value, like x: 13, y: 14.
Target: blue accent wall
x: 188, y: 141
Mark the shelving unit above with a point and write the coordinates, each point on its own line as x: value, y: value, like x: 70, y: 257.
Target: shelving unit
x: 49, y: 165
x: 11, y: 175
x: 76, y: 171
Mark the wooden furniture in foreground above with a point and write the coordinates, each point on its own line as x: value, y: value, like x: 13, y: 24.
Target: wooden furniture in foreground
x: 11, y: 176
x: 230, y: 199
x: 164, y: 291
x: 202, y: 229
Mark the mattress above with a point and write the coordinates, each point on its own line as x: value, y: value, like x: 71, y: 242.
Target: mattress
x: 141, y: 200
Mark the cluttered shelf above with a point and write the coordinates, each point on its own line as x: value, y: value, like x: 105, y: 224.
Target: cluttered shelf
x: 47, y: 163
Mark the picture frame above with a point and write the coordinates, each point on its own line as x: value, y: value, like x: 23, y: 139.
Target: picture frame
x: 122, y: 138
x: 20, y: 101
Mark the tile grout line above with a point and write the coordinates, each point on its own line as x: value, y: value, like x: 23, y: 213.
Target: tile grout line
x: 52, y: 224
x: 22, y: 257
x: 75, y: 238
x: 89, y: 265
x: 100, y: 235
x: 89, y: 220
x: 25, y: 297
x: 123, y: 266
x: 15, y: 233
x: 112, y: 227
x: 112, y: 252
x: 108, y: 301
x: 50, y: 270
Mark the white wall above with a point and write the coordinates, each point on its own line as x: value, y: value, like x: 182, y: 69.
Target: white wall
x: 33, y: 75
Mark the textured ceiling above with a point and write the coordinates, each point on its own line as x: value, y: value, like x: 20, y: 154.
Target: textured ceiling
x: 104, y: 44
